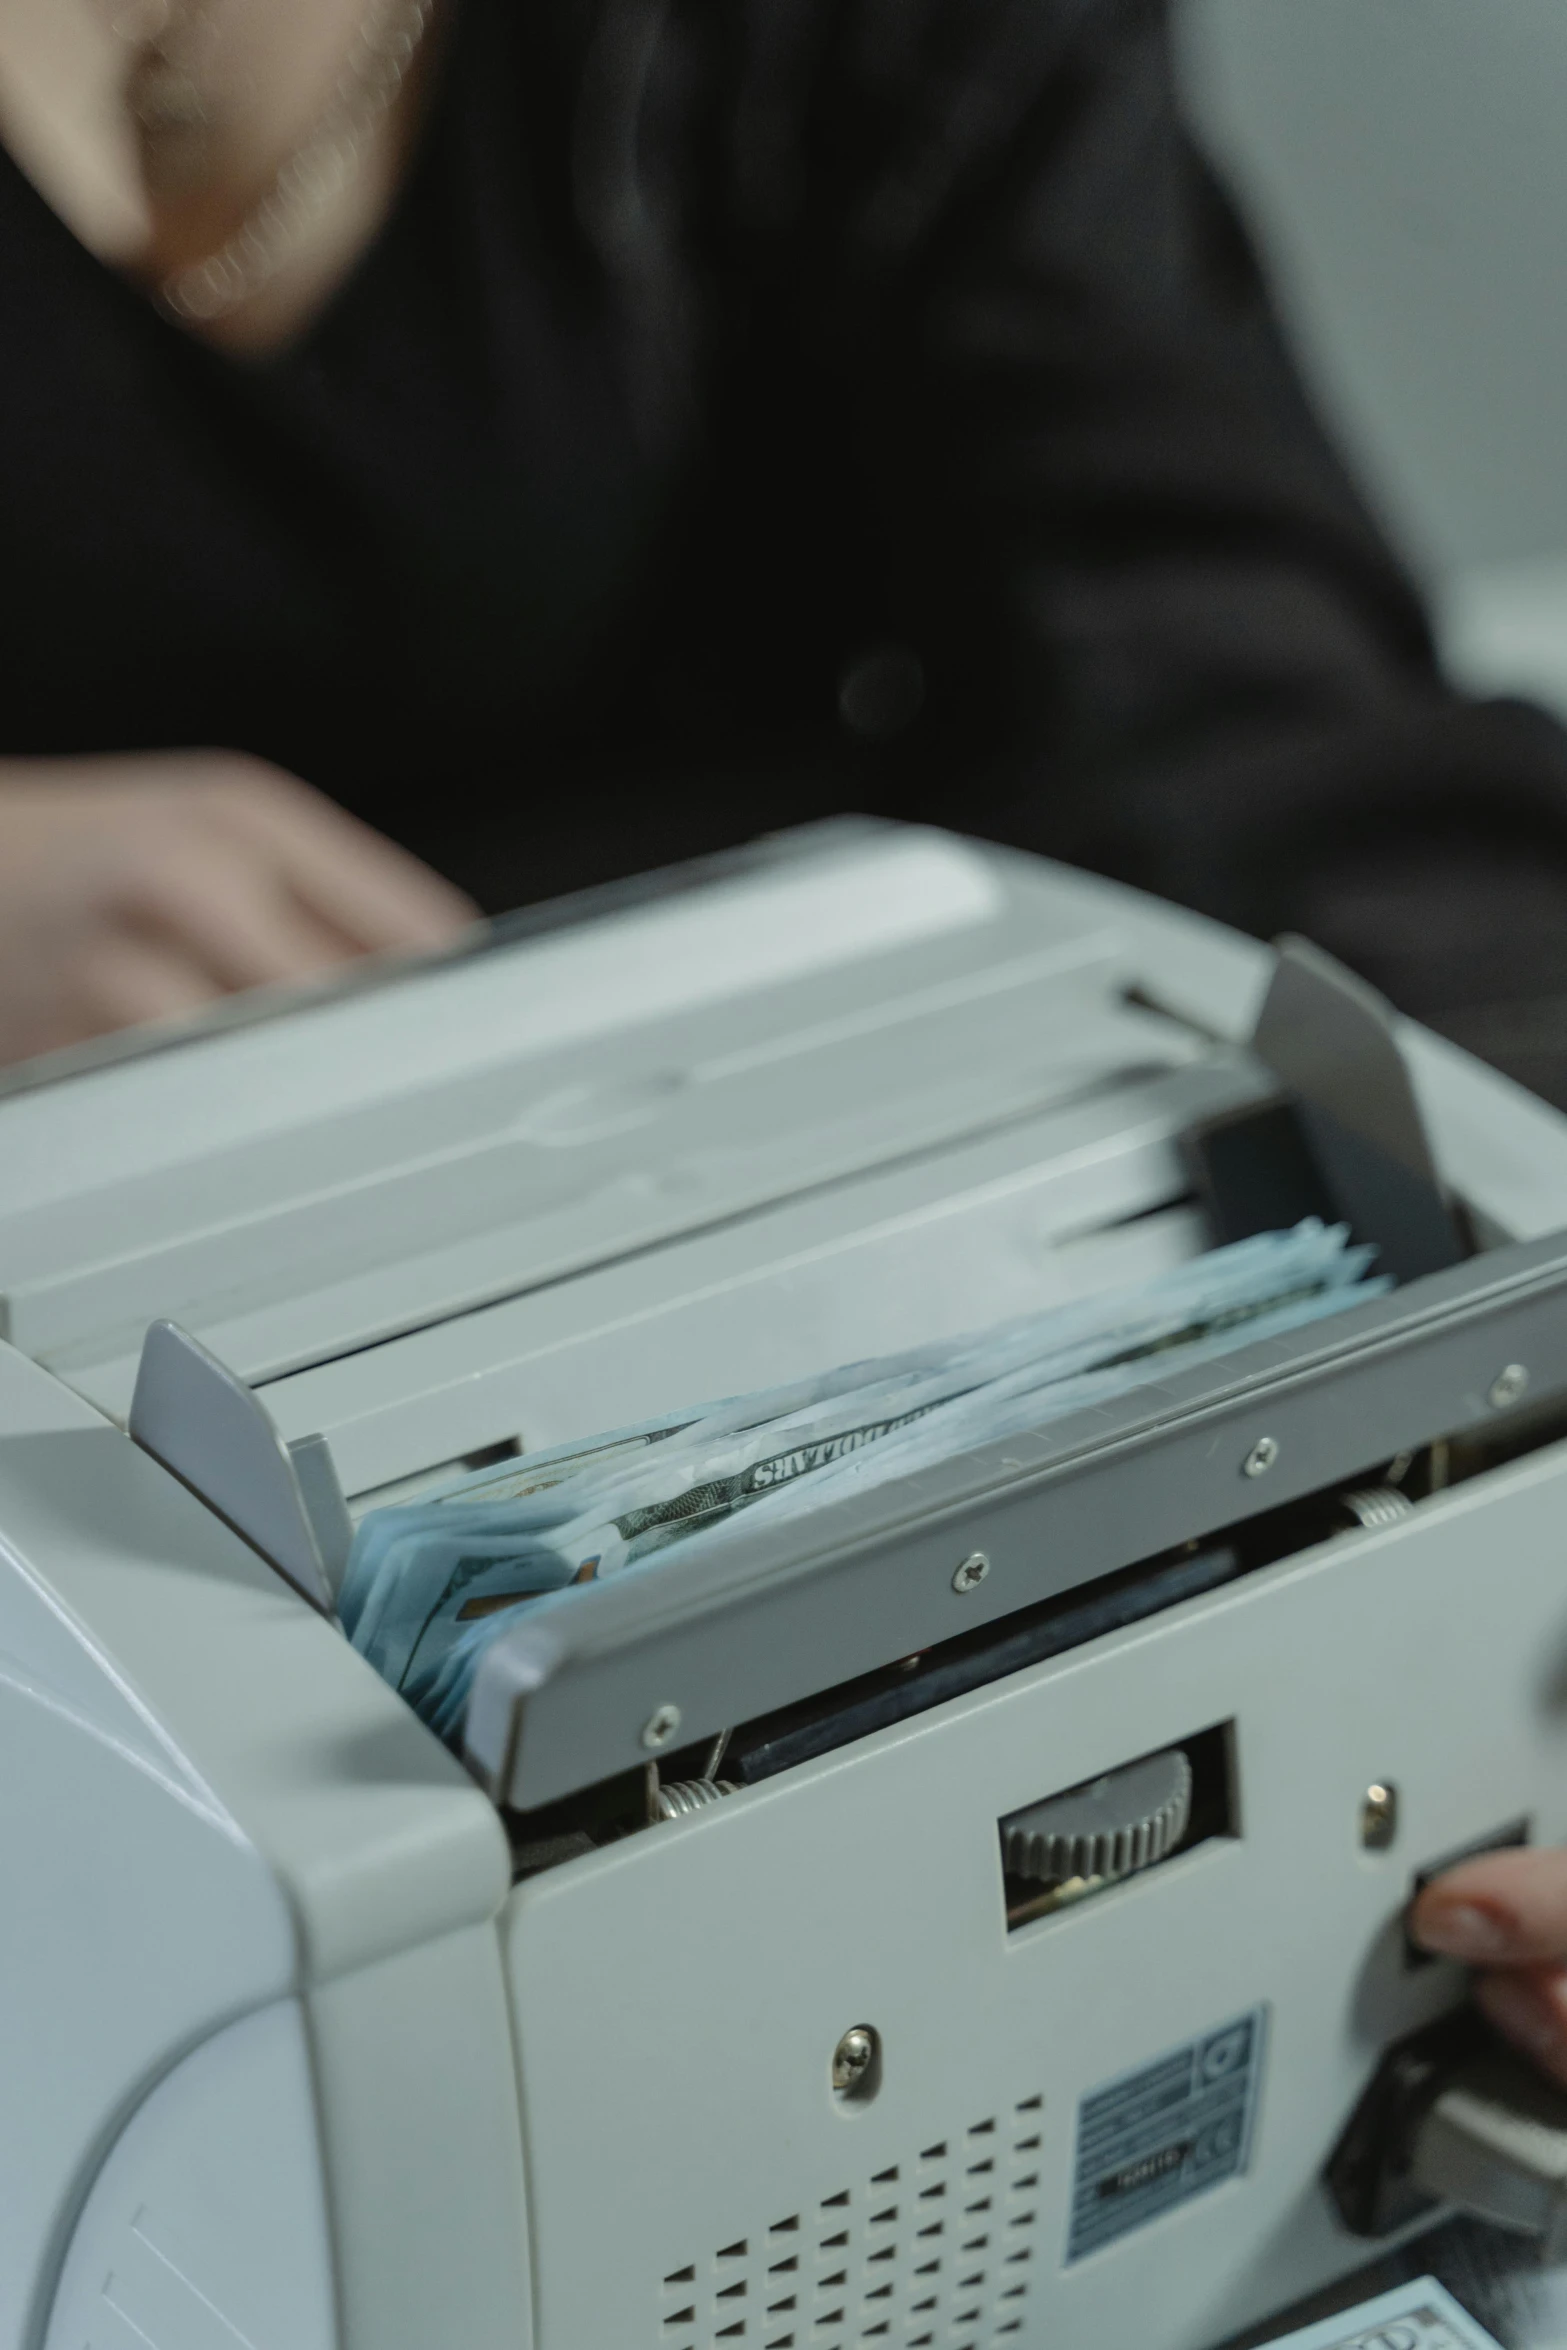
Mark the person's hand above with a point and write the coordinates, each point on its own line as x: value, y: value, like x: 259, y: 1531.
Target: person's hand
x: 1506, y: 1914
x: 142, y: 888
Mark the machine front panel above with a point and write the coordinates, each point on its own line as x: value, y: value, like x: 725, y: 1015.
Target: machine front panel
x: 679, y: 1998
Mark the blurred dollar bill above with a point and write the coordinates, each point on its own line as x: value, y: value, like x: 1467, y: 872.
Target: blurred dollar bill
x: 431, y: 1583
x: 1418, y: 2316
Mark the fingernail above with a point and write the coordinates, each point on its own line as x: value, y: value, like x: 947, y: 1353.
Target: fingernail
x: 1518, y: 2011
x: 1463, y: 1931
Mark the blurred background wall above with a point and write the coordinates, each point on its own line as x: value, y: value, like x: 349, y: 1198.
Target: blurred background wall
x: 1405, y: 162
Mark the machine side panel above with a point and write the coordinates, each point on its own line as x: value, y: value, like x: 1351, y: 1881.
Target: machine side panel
x: 424, y: 2151
x: 205, y: 1798
x: 375, y: 1835
x: 136, y: 1916
x: 206, y: 2227
x: 679, y: 1997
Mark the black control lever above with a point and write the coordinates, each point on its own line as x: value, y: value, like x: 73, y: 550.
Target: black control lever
x: 1453, y: 2117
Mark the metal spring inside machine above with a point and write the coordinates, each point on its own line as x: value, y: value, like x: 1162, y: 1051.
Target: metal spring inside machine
x: 686, y: 1796
x: 1373, y: 1506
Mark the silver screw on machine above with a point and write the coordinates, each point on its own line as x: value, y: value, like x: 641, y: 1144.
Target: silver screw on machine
x: 660, y: 1727
x: 970, y: 1575
x: 1508, y: 1387
x: 1379, y: 1815
x: 853, y: 2060
x: 1261, y: 1457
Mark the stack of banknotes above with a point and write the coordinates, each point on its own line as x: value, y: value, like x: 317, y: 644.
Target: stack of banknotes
x: 1418, y: 2316
x: 431, y: 1583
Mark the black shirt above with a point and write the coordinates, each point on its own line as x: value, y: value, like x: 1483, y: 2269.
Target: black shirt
x: 754, y: 408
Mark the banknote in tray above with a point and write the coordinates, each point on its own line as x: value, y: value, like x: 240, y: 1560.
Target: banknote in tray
x: 1418, y: 2316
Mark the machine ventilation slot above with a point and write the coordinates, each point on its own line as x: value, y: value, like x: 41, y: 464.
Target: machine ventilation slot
x: 933, y: 2253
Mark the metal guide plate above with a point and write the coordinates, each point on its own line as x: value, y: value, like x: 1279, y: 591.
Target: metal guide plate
x: 561, y: 1701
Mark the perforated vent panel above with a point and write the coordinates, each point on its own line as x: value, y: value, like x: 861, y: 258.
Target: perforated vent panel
x: 933, y: 2253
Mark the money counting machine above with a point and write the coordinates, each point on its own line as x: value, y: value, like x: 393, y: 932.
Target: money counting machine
x: 969, y: 1915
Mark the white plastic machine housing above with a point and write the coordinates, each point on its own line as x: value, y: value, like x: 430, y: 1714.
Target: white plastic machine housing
x: 290, y: 2060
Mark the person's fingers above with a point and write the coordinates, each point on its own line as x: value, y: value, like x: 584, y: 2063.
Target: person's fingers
x: 380, y: 897
x: 1529, y: 2008
x: 122, y: 983
x: 1504, y: 1909
x: 230, y: 913
x: 373, y: 893
x: 142, y: 889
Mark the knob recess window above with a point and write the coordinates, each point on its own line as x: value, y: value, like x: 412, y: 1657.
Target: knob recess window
x: 1086, y: 1838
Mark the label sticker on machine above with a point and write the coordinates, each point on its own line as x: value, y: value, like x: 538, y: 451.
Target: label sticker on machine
x: 1420, y: 2316
x: 1169, y: 2131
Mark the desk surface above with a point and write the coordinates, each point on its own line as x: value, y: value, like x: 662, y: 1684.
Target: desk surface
x: 1496, y: 2277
